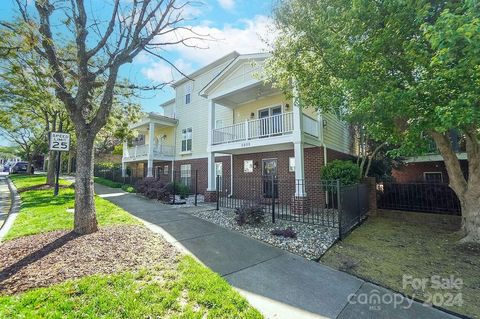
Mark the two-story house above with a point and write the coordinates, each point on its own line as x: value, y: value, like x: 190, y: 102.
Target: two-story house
x: 224, y: 120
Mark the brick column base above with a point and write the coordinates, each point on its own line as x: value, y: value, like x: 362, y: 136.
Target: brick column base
x: 210, y: 196
x: 300, y: 205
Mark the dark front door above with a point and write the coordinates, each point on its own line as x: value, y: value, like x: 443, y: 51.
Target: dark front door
x: 269, y: 170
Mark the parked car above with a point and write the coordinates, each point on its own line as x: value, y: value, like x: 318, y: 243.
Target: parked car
x: 6, y: 167
x: 19, y: 167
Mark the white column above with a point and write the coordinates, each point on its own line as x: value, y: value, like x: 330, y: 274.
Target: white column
x: 299, y: 170
x: 211, y: 122
x: 298, y: 144
x: 211, y: 172
x: 151, y: 138
x: 124, y: 169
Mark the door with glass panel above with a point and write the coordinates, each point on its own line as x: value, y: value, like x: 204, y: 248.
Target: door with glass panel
x: 269, y: 172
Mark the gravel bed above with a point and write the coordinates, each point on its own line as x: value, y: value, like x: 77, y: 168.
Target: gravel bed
x: 311, y: 242
x: 189, y: 201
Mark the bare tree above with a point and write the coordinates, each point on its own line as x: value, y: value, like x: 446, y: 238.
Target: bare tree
x: 102, y: 47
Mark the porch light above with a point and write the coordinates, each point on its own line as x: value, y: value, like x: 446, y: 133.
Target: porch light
x: 252, y: 115
x: 287, y: 106
x: 255, y: 165
x: 324, y: 123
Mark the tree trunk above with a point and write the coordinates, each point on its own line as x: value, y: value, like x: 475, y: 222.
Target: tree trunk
x: 85, y: 218
x: 51, y: 168
x: 470, y: 204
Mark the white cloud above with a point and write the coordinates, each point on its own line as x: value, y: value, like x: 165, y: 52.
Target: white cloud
x: 252, y: 36
x: 227, y: 4
x: 162, y: 72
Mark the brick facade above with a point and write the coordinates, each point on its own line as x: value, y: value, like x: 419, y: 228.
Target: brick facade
x: 414, y: 172
x: 247, y: 185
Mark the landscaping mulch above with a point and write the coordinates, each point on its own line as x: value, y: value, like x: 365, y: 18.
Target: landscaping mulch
x: 48, y: 258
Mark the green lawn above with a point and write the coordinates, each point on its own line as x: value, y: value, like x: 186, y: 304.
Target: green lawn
x: 26, y: 181
x: 189, y: 291
x: 183, y: 289
x: 103, y: 181
x: 382, y: 250
x: 41, y: 212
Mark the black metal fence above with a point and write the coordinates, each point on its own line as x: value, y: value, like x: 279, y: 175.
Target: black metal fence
x: 317, y: 202
x: 421, y: 197
x: 184, y: 183
x: 114, y: 174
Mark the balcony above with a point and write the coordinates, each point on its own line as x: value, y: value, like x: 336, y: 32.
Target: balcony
x: 276, y: 129
x: 140, y: 152
x: 260, y: 128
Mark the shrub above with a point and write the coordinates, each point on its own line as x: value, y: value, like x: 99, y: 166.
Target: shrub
x: 252, y: 215
x: 346, y: 171
x: 153, y: 189
x: 180, y: 189
x: 128, y: 188
x: 287, y: 232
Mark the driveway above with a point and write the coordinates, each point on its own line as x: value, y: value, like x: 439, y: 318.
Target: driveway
x: 277, y: 283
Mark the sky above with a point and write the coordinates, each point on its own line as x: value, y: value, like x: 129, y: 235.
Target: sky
x: 240, y: 25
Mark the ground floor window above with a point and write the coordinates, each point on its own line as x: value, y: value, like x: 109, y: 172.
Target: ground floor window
x: 219, y: 172
x: 291, y: 164
x: 248, y: 166
x: 165, y: 169
x: 433, y: 177
x: 186, y: 174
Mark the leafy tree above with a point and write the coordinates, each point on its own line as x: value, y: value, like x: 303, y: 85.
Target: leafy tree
x: 409, y: 69
x: 103, y: 41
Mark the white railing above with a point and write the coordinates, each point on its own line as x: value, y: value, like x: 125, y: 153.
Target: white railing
x: 310, y: 125
x: 264, y: 127
x: 228, y: 134
x: 142, y: 151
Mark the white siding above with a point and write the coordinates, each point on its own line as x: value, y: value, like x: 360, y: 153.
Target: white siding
x: 195, y: 114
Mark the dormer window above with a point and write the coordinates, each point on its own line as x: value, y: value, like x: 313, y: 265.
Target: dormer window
x: 188, y: 92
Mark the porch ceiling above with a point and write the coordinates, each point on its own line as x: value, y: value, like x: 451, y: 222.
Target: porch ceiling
x: 246, y: 94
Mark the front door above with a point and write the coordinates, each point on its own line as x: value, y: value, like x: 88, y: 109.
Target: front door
x: 269, y: 172
x: 276, y: 120
x: 264, y: 124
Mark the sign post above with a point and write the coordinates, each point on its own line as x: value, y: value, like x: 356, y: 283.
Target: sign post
x: 59, y: 142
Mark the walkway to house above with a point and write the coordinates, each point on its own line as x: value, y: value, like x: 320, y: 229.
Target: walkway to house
x: 277, y: 283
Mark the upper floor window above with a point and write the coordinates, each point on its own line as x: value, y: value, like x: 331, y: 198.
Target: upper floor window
x: 188, y: 92
x: 187, y: 139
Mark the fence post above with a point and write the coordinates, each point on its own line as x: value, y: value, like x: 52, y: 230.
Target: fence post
x: 218, y: 192
x: 273, y: 198
x: 339, y: 210
x: 196, y: 185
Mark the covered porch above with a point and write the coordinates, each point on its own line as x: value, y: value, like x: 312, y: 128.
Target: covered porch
x: 155, y: 141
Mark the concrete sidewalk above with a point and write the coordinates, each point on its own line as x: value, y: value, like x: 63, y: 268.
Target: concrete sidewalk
x: 5, y: 199
x: 277, y: 283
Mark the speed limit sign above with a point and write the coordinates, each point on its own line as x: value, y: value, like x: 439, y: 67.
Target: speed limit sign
x: 59, y: 141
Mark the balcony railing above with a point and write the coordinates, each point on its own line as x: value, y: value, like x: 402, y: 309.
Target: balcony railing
x: 159, y: 150
x: 310, y: 125
x: 268, y: 126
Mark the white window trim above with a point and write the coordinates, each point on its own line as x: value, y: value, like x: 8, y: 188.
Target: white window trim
x: 186, y: 150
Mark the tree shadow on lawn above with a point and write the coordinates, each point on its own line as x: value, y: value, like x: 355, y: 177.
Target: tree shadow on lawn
x: 45, y: 198
x: 35, y: 256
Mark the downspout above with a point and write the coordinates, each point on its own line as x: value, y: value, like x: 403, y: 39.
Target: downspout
x: 231, y: 175
x: 174, y: 142
x: 322, y: 138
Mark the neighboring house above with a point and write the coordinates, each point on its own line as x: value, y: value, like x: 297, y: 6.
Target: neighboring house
x: 431, y: 167
x: 225, y: 121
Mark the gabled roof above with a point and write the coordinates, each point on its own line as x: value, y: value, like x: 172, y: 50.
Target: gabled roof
x: 230, y: 68
x: 231, y: 55
x: 168, y: 102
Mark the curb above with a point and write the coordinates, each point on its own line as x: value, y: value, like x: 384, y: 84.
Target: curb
x: 13, y: 212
